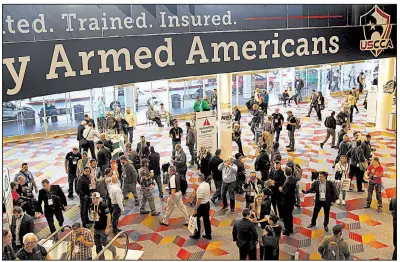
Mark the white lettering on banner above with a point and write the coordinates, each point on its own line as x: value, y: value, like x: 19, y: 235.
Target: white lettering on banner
x: 206, y: 125
x: 18, y: 78
x: 59, y: 50
x: 197, y: 49
x: 115, y: 55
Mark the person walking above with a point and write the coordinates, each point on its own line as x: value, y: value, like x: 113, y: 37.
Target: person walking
x: 129, y: 179
x: 241, y: 172
x: 179, y: 161
x: 130, y: 118
x: 111, y: 123
x: 190, y: 142
x: 298, y: 86
x: 83, y: 190
x: 266, y: 101
x: 291, y: 127
x: 236, y: 137
x: 81, y: 243
x: 297, y: 173
x: 325, y: 195
x: 79, y: 134
x: 229, y: 171
x: 334, y: 247
x: 100, y: 214
x: 263, y: 163
x: 313, y: 103
x: 320, y: 105
x: 21, y: 224
x: 197, y: 104
x: 147, y: 184
x: 256, y: 120
x: 366, y: 146
x: 154, y: 164
x: 330, y: 124
x: 245, y: 235
x: 214, y: 99
x: 116, y: 197
x: 341, y: 134
x: 342, y: 170
x: 237, y: 114
x: 288, y: 201
x: 142, y: 148
x: 202, y: 208
x: 352, y: 101
x: 259, y: 216
x: 375, y: 174
x: 357, y: 160
x: 71, y: 163
x: 213, y: 165
x: 176, y: 134
x: 361, y: 82
x: 90, y: 133
x: 103, y: 158
x: 175, y: 198
x: 54, y: 203
x: 344, y: 147
x: 278, y: 121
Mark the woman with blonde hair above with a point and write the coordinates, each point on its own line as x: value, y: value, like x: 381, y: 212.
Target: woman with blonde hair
x: 237, y: 137
x: 342, y: 171
x: 259, y: 213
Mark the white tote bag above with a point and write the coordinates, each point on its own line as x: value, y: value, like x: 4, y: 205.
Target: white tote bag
x: 192, y: 227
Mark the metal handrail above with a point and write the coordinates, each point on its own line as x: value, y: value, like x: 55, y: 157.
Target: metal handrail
x: 111, y: 242
x: 60, y: 241
x: 53, y: 234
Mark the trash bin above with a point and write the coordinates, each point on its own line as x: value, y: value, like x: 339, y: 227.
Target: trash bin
x: 29, y: 118
x: 176, y: 101
x: 79, y: 112
x: 392, y: 121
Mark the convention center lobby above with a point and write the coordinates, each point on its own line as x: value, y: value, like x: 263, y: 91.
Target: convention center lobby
x: 271, y: 115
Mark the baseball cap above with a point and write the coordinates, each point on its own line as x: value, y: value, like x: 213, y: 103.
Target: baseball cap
x: 336, y: 229
x: 95, y: 195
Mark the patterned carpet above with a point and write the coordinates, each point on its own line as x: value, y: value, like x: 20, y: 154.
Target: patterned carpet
x: 368, y: 232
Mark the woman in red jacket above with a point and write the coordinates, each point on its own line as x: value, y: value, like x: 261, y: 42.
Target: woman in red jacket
x: 375, y: 173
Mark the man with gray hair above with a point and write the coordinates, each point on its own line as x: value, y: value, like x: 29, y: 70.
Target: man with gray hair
x: 129, y: 179
x: 202, y: 208
x: 32, y: 250
x: 229, y: 171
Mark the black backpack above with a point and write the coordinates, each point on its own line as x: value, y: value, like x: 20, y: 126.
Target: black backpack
x: 271, y: 241
x: 181, y: 183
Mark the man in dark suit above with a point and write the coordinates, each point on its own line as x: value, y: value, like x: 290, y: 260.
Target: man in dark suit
x: 79, y: 135
x: 54, y: 203
x: 245, y: 235
x: 288, y: 190
x: 314, y: 103
x: 21, y: 225
x: 325, y: 196
x: 143, y: 148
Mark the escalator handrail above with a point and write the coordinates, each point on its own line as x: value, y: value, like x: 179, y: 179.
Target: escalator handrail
x: 60, y: 241
x: 111, y: 242
x: 53, y: 234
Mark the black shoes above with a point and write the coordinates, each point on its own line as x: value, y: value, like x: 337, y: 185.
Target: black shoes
x: 286, y: 233
x: 117, y: 231
x: 206, y: 237
x: 326, y: 229
x: 232, y: 211
x: 155, y: 214
x: 297, y: 205
x: 144, y: 212
x: 163, y: 224
x: 290, y: 150
x: 310, y: 226
x: 361, y: 191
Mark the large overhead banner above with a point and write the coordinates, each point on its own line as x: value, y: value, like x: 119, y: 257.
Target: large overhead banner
x: 51, y: 67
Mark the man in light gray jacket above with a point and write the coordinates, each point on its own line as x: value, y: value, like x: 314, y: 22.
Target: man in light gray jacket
x: 190, y: 142
x: 129, y: 178
x: 229, y: 171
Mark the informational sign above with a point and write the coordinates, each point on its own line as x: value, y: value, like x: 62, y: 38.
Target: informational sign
x: 371, y: 104
x: 7, y: 198
x: 206, y: 125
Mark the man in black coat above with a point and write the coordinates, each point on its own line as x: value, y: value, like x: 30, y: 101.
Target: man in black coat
x: 21, y: 225
x: 216, y: 174
x: 54, y: 203
x: 245, y: 235
x: 314, y: 103
x: 103, y: 157
x: 83, y: 190
x: 288, y: 190
x: 263, y: 164
x: 325, y: 196
x: 143, y: 148
x: 79, y: 135
x: 330, y: 124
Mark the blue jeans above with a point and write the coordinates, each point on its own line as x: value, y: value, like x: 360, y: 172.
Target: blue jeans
x: 116, y: 213
x: 228, y: 187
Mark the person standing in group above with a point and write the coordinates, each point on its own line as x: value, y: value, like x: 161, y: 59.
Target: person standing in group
x: 245, y: 235
x: 54, y: 203
x: 203, y: 160
x: 83, y: 190
x: 142, y: 148
x: 106, y: 142
x: 366, y: 146
x: 356, y: 136
x: 89, y: 120
x: 176, y: 134
x: 129, y: 179
x: 330, y: 124
x: 325, y: 195
x: 118, y: 113
x: 197, y: 104
x: 90, y: 133
x: 100, y: 214
x: 241, y: 172
x: 252, y: 187
x: 116, y: 197
x: 288, y: 191
x: 29, y: 179
x: 273, y: 229
x: 31, y: 250
x: 147, y: 185
x: 21, y: 224
x: 361, y: 82
x: 190, y: 142
x: 257, y: 96
x: 342, y: 170
x: 213, y: 165
x: 344, y: 147
x: 375, y: 174
x: 229, y: 171
x: 130, y: 118
x: 79, y: 134
x: 8, y: 251
x: 266, y: 139
x: 236, y: 137
x: 103, y: 158
x: 256, y: 120
x: 313, y: 103
x: 111, y: 122
x: 154, y: 164
x: 291, y: 127
x: 214, y: 99
x: 202, y: 208
x: 269, y: 126
x: 334, y: 247
x: 262, y: 163
x: 121, y: 128
x: 393, y: 210
x: 71, y: 164
x: 237, y: 115
x: 259, y: 216
x: 175, y: 198
x: 297, y: 173
x: 298, y: 86
x: 357, y: 159
x: 341, y: 134
x: 277, y: 178
x: 81, y: 243
x: 278, y: 121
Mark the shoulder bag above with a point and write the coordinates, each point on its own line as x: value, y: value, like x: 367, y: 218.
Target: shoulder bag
x: 83, y: 141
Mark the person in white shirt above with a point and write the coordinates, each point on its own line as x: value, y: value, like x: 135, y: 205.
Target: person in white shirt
x: 130, y: 118
x: 90, y: 133
x: 202, y: 208
x: 175, y: 198
x: 116, y: 197
x: 164, y: 114
x: 342, y: 171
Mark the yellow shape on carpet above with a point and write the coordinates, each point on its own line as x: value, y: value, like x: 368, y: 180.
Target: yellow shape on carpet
x: 167, y: 240
x: 317, y: 233
x: 214, y: 245
x: 225, y: 223
x: 368, y: 238
x: 364, y: 218
x: 315, y: 256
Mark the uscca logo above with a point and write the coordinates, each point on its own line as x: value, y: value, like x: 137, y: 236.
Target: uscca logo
x: 377, y: 29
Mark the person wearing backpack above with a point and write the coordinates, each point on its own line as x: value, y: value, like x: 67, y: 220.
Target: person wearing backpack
x: 325, y: 196
x: 292, y: 124
x: 334, y: 247
x: 175, y: 198
x: 330, y: 124
x: 262, y: 163
x: 271, y: 239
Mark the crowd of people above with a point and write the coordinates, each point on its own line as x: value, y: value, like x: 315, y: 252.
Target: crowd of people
x: 105, y: 181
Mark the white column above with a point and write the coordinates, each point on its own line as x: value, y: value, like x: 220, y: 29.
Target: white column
x: 129, y: 97
x: 224, y: 84
x: 385, y: 99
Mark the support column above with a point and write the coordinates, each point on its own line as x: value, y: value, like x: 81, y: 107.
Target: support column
x: 385, y: 98
x: 129, y: 97
x: 224, y: 83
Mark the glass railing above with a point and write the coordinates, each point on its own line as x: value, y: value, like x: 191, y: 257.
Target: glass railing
x: 117, y: 237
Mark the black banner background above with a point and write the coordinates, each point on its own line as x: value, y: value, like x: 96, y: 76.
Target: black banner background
x: 36, y: 84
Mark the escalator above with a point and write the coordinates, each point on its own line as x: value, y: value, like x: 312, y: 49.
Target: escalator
x: 121, y: 253
x: 58, y: 250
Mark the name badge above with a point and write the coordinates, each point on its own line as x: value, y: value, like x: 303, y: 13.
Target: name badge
x: 50, y: 202
x: 276, y: 121
x: 322, y: 195
x: 76, y: 249
x: 29, y: 184
x: 252, y: 193
x: 74, y: 162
